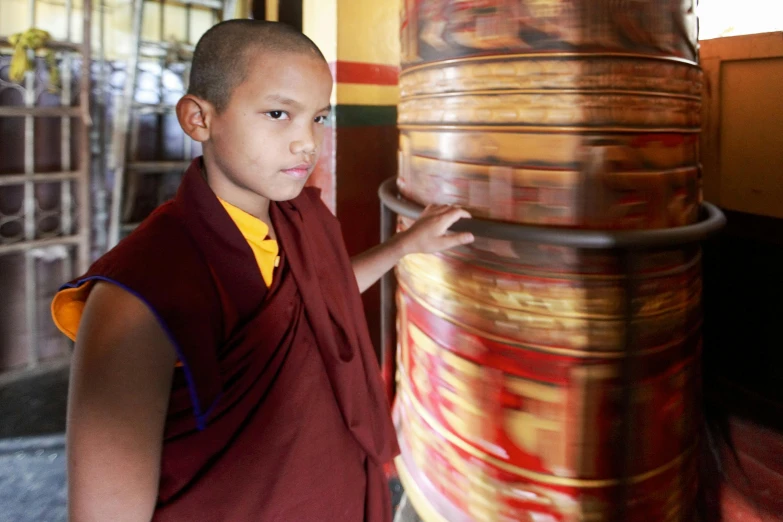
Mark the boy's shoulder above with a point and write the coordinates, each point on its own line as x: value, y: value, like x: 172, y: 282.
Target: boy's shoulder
x: 160, y: 240
x: 161, y: 264
x: 160, y: 253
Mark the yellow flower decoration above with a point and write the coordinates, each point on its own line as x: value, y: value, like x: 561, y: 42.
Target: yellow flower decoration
x: 32, y: 40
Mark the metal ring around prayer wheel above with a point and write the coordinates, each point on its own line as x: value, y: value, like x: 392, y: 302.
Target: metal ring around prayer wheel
x: 550, y: 370
x: 711, y: 221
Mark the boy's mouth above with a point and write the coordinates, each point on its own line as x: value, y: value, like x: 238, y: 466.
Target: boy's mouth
x: 300, y: 171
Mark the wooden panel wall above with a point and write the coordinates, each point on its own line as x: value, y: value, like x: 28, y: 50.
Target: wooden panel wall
x: 742, y: 141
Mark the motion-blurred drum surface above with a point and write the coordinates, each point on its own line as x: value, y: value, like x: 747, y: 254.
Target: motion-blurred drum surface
x: 512, y: 360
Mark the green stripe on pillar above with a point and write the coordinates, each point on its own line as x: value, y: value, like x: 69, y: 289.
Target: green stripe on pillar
x: 365, y: 115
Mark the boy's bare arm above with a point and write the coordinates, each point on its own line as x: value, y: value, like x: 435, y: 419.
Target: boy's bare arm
x: 430, y: 233
x: 119, y: 391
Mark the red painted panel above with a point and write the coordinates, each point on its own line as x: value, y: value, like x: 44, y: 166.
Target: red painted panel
x: 365, y: 156
x: 323, y: 175
x: 366, y: 73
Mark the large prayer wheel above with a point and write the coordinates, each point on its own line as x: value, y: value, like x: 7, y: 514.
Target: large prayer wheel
x: 539, y: 381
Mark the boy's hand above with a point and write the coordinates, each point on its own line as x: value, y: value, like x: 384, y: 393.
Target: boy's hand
x: 430, y: 233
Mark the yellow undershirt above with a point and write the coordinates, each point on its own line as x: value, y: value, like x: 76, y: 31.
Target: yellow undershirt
x: 68, y: 304
x: 255, y: 232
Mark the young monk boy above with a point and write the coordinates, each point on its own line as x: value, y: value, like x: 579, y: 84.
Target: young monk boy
x: 222, y: 369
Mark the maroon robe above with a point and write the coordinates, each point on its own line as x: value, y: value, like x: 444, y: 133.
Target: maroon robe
x: 277, y: 412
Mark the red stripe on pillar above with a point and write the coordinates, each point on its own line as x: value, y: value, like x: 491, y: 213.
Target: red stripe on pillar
x: 366, y: 73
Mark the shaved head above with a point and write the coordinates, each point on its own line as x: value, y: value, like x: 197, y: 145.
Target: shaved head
x: 223, y: 54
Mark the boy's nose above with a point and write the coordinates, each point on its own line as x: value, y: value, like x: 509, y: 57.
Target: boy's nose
x: 305, y: 144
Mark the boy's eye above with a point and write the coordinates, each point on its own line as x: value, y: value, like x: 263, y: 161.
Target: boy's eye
x: 277, y: 115
x: 321, y: 119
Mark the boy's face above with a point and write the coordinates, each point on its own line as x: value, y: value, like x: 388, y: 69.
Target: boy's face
x: 267, y: 140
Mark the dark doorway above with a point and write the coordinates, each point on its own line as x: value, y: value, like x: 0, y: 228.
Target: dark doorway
x: 258, y: 9
x: 288, y: 12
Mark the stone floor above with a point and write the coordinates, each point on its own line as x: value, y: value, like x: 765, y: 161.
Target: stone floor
x: 33, y: 403
x: 32, y: 479
x: 405, y: 511
x: 32, y: 445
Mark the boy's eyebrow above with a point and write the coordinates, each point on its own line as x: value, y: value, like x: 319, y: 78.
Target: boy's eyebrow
x: 282, y: 100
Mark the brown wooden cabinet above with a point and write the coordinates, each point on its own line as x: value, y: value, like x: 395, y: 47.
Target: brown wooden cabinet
x: 742, y: 138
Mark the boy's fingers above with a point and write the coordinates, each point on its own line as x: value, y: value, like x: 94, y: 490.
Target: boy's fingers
x: 439, y: 210
x: 439, y: 218
x: 456, y: 239
x: 466, y: 237
x: 435, y: 207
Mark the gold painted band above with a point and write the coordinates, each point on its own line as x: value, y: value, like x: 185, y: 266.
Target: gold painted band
x: 554, y: 129
x: 552, y: 92
x: 542, y: 348
x: 526, y: 473
x: 525, y: 56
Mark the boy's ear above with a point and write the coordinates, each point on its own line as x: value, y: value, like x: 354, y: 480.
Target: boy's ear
x: 194, y: 116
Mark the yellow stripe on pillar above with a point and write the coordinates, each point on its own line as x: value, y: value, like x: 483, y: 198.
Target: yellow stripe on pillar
x: 361, y: 94
x: 369, y: 31
x: 272, y: 10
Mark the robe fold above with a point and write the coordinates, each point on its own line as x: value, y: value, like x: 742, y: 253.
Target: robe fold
x: 277, y: 411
